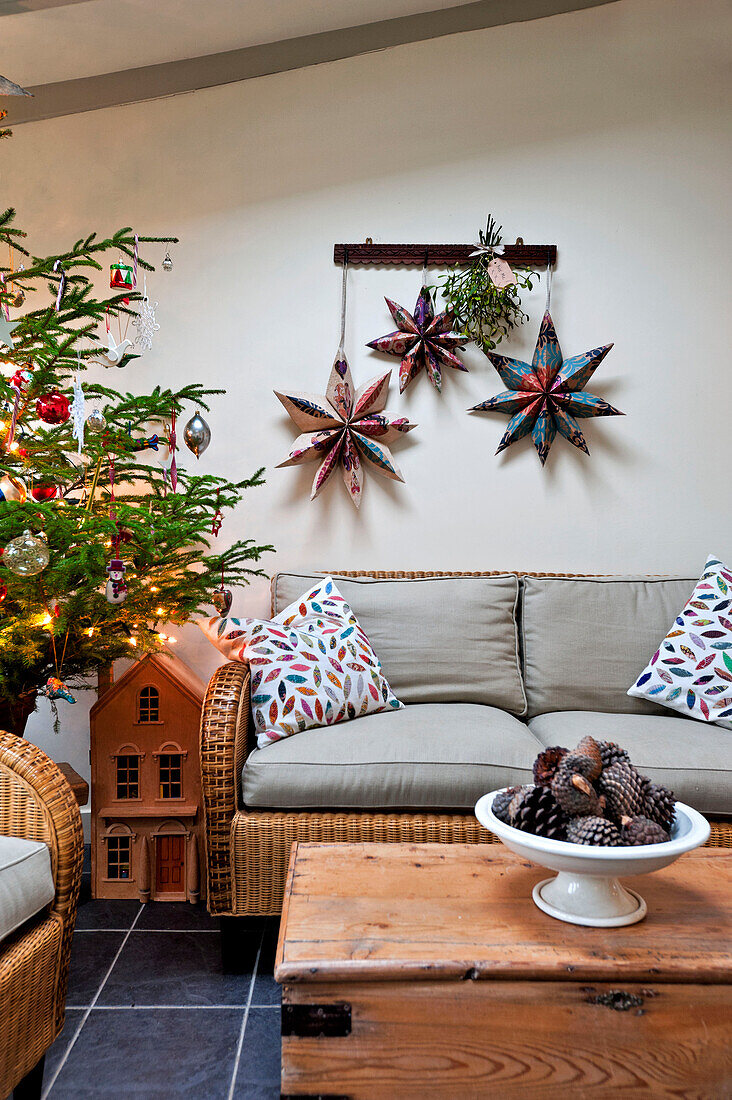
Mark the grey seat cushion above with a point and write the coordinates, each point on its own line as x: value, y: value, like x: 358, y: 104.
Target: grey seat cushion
x: 693, y: 759
x: 439, y: 639
x: 427, y: 756
x: 26, y: 882
x: 585, y: 641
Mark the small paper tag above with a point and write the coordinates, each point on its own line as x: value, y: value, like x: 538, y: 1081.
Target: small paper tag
x: 500, y: 272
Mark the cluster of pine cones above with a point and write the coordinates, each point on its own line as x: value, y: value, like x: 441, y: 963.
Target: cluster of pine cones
x: 592, y: 795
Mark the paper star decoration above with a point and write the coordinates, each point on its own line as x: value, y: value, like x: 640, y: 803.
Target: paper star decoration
x: 546, y: 397
x: 340, y: 428
x: 6, y: 329
x: 421, y: 340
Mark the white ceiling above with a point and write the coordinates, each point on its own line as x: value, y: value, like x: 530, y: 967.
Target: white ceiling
x: 67, y: 40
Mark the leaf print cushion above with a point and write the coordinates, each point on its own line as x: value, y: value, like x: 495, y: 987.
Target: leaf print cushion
x: 691, y: 671
x: 312, y: 665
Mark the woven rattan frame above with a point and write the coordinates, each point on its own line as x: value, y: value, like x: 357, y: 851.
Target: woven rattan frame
x: 247, y: 852
x: 37, y: 803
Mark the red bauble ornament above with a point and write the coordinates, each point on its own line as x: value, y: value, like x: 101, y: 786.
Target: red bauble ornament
x: 3, y: 592
x: 43, y: 491
x: 53, y: 408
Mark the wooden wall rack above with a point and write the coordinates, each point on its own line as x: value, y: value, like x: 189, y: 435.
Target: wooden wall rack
x: 440, y: 255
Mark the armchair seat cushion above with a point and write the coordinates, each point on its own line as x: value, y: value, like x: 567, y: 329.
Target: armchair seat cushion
x: 427, y: 756
x: 692, y: 758
x: 26, y: 882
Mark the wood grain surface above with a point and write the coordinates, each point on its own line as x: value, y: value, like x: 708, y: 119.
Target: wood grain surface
x: 78, y: 785
x: 514, y: 1039
x: 432, y: 912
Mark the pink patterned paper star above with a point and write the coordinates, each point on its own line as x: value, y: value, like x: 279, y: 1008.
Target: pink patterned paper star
x: 343, y: 428
x: 422, y: 340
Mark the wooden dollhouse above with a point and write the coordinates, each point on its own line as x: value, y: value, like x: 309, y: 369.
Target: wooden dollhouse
x: 146, y: 784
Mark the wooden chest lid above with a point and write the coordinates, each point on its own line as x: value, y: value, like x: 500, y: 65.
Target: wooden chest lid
x: 411, y: 912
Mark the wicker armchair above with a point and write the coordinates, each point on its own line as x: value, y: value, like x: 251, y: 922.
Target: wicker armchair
x: 36, y: 802
x: 248, y: 851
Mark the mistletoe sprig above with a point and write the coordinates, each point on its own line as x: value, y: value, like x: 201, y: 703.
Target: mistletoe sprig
x: 484, y: 312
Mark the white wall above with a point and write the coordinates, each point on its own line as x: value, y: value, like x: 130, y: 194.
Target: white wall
x: 603, y: 131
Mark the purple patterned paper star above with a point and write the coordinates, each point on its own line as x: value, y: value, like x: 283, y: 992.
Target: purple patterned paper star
x: 344, y: 428
x: 545, y: 397
x: 421, y: 340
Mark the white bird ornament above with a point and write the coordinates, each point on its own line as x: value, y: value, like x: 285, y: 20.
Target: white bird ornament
x: 112, y: 357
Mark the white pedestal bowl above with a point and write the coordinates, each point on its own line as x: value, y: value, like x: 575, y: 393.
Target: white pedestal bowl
x: 586, y: 889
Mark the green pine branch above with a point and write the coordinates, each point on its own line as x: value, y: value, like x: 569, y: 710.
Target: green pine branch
x: 113, y: 499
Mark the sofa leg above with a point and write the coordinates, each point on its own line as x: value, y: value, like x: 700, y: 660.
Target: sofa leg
x: 239, y: 943
x: 31, y: 1086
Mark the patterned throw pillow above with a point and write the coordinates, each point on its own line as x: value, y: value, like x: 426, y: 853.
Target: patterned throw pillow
x: 312, y: 665
x: 692, y: 670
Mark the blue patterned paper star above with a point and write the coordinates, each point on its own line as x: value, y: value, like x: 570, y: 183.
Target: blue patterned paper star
x: 544, y: 397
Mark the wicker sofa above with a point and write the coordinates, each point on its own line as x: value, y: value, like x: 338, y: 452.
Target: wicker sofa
x: 542, y: 659
x: 37, y: 804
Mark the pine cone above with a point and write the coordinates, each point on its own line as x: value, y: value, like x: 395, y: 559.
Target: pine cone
x: 612, y: 753
x: 502, y: 801
x: 589, y: 748
x: 659, y: 805
x: 624, y: 790
x: 593, y: 830
x: 546, y: 764
x: 640, y: 830
x: 573, y: 790
x: 515, y: 804
x: 579, y: 763
x: 540, y: 814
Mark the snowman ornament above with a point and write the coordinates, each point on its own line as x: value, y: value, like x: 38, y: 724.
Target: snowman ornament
x: 116, y: 591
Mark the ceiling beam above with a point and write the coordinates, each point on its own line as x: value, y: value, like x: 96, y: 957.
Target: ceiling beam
x: 91, y: 93
x: 22, y: 7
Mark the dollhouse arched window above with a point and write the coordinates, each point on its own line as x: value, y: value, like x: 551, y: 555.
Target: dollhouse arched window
x: 118, y: 841
x: 148, y: 705
x: 170, y: 764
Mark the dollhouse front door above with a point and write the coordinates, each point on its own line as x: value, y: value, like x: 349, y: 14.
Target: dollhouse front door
x: 170, y: 865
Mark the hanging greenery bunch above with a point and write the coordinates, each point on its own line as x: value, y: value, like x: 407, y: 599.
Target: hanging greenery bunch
x: 484, y: 312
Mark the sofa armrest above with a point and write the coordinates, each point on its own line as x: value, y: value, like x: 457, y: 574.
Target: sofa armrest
x: 37, y: 803
x: 226, y: 740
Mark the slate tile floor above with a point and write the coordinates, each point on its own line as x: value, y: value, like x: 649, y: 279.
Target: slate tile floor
x: 150, y: 1014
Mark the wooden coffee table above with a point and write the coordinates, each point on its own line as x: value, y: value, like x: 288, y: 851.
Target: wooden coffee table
x: 425, y: 970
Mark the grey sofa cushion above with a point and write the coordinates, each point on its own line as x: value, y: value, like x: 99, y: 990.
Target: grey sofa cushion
x: 693, y: 759
x: 439, y: 639
x: 585, y: 641
x: 430, y: 755
x: 26, y: 882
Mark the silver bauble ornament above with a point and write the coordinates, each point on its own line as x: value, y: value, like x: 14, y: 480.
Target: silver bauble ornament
x: 221, y: 600
x: 26, y: 555
x: 96, y: 421
x: 167, y: 262
x: 197, y: 434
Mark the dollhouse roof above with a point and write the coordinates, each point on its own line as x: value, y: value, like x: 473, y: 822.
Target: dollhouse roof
x: 170, y: 666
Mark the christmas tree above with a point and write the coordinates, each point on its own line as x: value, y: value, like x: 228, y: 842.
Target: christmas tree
x: 103, y: 541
